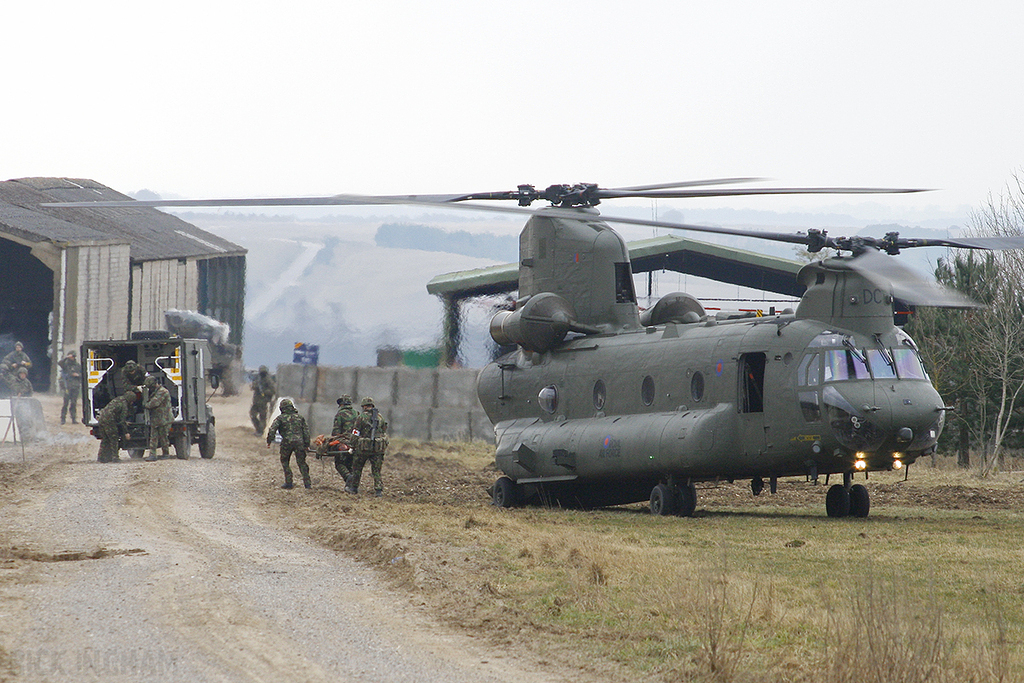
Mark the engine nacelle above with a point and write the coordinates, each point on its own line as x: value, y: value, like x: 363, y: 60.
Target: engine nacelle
x: 538, y: 324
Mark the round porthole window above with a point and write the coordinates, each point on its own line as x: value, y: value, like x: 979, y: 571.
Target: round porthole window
x: 647, y: 390
x: 697, y: 386
x: 548, y: 399
x: 599, y: 394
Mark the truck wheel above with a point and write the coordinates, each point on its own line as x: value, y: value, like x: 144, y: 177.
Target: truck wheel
x: 136, y: 453
x: 208, y: 442
x: 183, y: 444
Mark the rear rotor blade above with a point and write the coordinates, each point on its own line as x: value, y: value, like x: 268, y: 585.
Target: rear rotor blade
x: 745, y: 192
x: 688, y: 183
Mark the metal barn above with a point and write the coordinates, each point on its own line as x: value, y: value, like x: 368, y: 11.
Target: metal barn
x: 71, y: 274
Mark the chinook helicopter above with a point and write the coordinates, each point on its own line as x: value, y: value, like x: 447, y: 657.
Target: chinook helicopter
x: 603, y: 404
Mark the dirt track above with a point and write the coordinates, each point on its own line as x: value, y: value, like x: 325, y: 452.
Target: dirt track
x: 172, y: 571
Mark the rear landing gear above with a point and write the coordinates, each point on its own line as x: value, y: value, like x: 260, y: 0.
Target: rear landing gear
x: 505, y: 493
x: 670, y: 499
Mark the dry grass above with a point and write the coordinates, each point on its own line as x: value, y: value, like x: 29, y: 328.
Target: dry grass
x: 928, y: 588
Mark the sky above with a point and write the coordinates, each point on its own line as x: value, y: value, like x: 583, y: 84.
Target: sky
x: 229, y: 99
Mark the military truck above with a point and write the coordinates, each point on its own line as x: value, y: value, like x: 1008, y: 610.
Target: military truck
x: 180, y: 365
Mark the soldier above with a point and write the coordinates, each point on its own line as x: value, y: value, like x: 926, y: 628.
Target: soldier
x: 294, y: 439
x: 370, y: 441
x: 9, y: 366
x: 132, y: 375
x: 263, y: 392
x: 19, y: 385
x: 344, y: 422
x: 16, y: 359
x: 160, y: 417
x: 113, y: 424
x: 71, y: 384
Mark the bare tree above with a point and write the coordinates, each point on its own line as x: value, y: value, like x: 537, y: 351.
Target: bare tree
x: 1001, y: 336
x: 977, y: 357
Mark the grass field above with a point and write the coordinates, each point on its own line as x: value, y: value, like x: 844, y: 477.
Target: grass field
x: 928, y: 588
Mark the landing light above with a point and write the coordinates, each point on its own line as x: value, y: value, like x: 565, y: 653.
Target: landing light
x: 861, y: 464
x: 897, y: 462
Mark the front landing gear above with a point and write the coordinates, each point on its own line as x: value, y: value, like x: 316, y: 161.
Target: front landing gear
x: 844, y: 500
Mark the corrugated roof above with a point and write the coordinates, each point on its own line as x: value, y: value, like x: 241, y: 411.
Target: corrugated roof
x: 151, y: 234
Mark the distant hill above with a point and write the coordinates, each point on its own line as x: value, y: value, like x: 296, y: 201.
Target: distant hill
x: 503, y: 248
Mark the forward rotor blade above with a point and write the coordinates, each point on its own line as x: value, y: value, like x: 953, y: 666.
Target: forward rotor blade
x: 907, y: 284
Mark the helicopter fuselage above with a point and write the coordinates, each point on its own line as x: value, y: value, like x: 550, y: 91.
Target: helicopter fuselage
x: 601, y: 419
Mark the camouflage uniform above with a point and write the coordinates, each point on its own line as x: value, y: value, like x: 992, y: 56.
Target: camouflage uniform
x: 160, y: 417
x: 263, y: 392
x: 9, y: 367
x: 294, y: 439
x: 344, y: 421
x: 113, y: 423
x: 19, y: 384
x: 71, y: 384
x: 130, y: 376
x: 16, y: 359
x: 368, y: 448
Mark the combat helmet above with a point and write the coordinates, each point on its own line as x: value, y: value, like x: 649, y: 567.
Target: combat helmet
x: 150, y: 381
x: 286, y: 404
x: 344, y: 400
x: 367, y: 401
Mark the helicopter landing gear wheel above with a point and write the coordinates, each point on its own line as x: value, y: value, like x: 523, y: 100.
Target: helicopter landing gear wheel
x: 686, y: 500
x: 505, y: 494
x: 837, y: 501
x: 663, y: 500
x: 860, y: 501
x: 756, y: 486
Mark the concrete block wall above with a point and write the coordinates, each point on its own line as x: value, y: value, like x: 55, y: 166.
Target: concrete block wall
x: 430, y: 404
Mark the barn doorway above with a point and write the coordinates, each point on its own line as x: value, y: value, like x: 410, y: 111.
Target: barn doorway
x: 26, y: 305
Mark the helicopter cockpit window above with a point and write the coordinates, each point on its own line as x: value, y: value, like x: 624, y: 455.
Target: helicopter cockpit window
x: 908, y: 364
x: 697, y: 386
x: 647, y: 390
x: 845, y: 364
x: 826, y: 339
x: 810, y: 406
x: 548, y: 399
x: 599, y: 394
x: 809, y: 372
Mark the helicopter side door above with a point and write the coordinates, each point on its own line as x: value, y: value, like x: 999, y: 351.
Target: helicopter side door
x: 750, y: 403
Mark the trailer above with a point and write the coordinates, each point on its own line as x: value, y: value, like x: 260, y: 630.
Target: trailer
x: 182, y: 366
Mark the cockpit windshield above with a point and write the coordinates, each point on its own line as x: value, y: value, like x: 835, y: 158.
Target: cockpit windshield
x: 852, y: 363
x: 881, y: 366
x: 908, y: 364
x: 844, y: 364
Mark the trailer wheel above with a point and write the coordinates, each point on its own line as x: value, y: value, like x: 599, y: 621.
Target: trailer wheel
x: 183, y: 444
x: 208, y: 442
